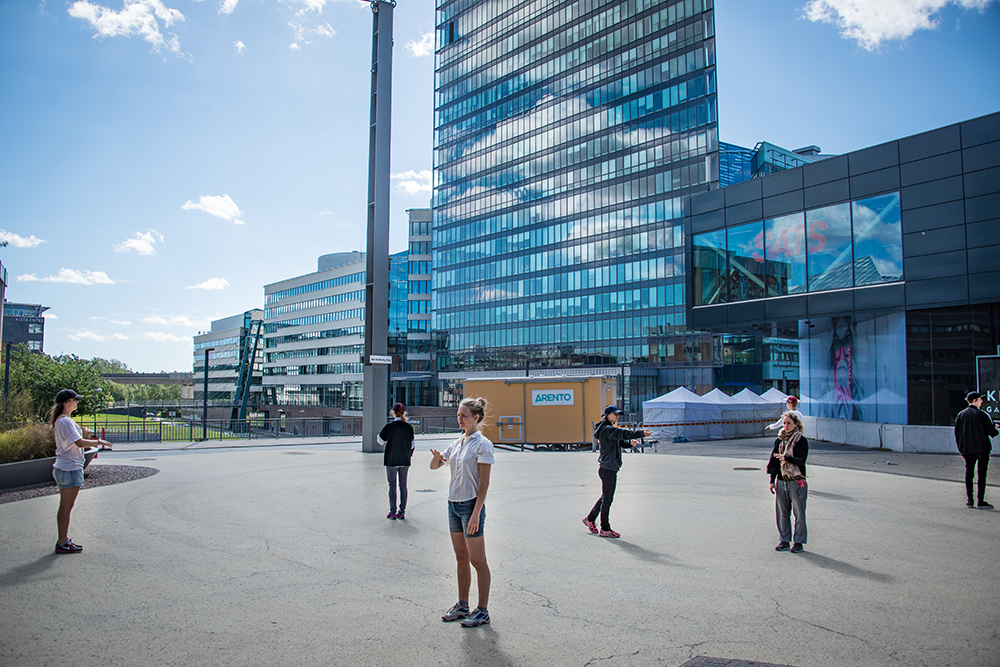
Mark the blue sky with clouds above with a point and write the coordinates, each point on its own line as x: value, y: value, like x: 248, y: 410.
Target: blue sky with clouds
x: 162, y: 160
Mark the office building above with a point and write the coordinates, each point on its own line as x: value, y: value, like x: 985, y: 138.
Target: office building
x: 566, y: 135
x: 881, y: 263
x: 23, y: 324
x: 314, y: 339
x: 235, y: 362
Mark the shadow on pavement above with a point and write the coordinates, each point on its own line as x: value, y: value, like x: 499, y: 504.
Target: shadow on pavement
x: 646, y: 555
x: 845, y: 568
x: 29, y: 570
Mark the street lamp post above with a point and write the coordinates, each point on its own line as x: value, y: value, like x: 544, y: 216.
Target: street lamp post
x: 204, y: 410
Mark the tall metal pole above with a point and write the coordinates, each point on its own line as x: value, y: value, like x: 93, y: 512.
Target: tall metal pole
x: 376, y: 376
x: 6, y: 379
x: 204, y: 398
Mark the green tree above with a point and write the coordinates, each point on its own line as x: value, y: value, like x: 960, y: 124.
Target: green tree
x: 40, y: 377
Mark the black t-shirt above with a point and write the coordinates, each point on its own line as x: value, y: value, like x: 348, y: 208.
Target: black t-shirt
x: 398, y: 437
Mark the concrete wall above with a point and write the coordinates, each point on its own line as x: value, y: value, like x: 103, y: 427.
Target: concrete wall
x: 896, y: 437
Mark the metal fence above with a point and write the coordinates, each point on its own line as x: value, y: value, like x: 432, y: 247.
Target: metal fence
x: 154, y: 430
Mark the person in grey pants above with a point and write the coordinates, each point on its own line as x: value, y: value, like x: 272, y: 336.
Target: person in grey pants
x: 787, y: 468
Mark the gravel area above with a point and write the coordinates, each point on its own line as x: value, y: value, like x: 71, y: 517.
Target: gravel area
x: 95, y: 475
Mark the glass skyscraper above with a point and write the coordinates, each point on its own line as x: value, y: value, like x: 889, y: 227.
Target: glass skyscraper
x: 565, y: 136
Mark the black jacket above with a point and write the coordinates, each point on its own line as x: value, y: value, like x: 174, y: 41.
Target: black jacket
x: 398, y: 438
x: 801, y: 451
x: 612, y: 440
x: 973, y: 430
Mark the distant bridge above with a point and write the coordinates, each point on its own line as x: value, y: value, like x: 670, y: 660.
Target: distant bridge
x: 150, y: 378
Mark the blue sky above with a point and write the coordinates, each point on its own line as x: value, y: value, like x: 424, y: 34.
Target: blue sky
x: 163, y: 160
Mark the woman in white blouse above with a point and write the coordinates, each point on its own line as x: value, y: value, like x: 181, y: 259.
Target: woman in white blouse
x: 470, y: 458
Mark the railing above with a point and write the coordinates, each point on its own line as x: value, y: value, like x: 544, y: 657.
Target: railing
x: 154, y: 430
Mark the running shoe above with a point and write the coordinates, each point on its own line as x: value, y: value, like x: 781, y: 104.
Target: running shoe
x: 479, y: 617
x: 590, y: 525
x: 797, y: 548
x: 401, y: 514
x: 390, y: 515
x: 455, y: 613
x: 609, y: 533
x: 782, y: 546
x: 68, y: 548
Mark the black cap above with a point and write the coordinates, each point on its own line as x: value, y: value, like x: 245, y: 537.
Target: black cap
x: 608, y: 410
x: 972, y: 396
x: 67, y: 394
x: 399, y: 407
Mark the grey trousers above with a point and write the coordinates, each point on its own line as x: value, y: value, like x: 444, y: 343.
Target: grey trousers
x: 790, y: 498
x: 392, y: 473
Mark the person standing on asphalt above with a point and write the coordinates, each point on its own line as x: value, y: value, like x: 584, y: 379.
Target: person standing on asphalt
x: 787, y: 468
x: 470, y: 458
x: 397, y: 438
x: 973, y: 430
x: 612, y: 439
x: 791, y: 405
x: 67, y: 470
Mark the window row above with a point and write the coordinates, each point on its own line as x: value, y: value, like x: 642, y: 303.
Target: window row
x: 275, y: 341
x: 314, y: 287
x: 845, y: 245
x: 351, y: 313
x: 358, y: 295
x: 219, y: 342
x: 315, y: 352
x: 315, y: 369
x: 473, y: 316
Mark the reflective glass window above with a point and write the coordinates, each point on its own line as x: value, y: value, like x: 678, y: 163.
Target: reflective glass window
x: 785, y: 245
x: 746, y: 261
x: 878, y: 240
x: 828, y: 238
x: 709, y: 268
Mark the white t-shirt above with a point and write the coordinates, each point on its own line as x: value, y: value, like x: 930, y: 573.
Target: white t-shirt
x: 68, y: 455
x: 778, y: 424
x: 464, y: 456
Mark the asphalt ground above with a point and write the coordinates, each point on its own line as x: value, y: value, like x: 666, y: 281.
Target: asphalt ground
x: 281, y: 555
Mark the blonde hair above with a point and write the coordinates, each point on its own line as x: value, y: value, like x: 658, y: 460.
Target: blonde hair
x: 794, y: 417
x: 477, y: 406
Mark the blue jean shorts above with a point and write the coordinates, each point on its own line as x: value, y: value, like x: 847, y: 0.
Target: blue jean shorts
x: 459, y: 515
x: 66, y: 479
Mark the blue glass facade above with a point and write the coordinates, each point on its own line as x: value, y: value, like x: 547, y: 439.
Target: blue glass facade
x: 566, y: 135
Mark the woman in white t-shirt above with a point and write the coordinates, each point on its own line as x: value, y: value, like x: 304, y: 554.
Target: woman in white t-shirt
x: 470, y: 459
x: 68, y: 467
x: 791, y: 405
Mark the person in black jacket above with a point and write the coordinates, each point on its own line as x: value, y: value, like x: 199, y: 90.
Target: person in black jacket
x: 973, y: 430
x: 609, y: 462
x: 787, y: 468
x: 397, y: 438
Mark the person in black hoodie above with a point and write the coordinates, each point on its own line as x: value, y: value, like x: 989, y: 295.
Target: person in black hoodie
x: 612, y: 440
x: 787, y: 468
x: 973, y: 430
x: 397, y: 438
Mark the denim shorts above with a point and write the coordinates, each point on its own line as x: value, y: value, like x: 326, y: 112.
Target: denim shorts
x: 66, y: 479
x: 459, y: 514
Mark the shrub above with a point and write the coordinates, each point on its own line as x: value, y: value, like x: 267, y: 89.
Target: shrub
x: 35, y: 441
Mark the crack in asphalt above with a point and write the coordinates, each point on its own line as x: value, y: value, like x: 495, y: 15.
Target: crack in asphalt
x: 593, y: 661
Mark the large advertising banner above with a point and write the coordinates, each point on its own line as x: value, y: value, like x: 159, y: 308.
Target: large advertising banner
x: 988, y: 384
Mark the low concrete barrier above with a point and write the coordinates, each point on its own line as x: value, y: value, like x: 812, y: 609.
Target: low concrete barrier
x: 895, y: 437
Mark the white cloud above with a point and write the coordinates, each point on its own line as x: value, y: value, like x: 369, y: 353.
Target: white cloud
x: 221, y: 206
x: 424, y: 47
x: 161, y: 337
x: 872, y: 22
x: 142, y: 243
x: 50, y: 316
x: 227, y: 6
x: 70, y: 276
x: 100, y: 318
x: 414, y: 182
x: 240, y: 46
x: 211, y: 284
x: 88, y: 335
x: 119, y: 336
x: 137, y: 17
x: 19, y: 241
x: 307, y: 34
x: 294, y: 47
x: 176, y: 320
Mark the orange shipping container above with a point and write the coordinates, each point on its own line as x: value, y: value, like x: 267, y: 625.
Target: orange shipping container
x: 543, y: 411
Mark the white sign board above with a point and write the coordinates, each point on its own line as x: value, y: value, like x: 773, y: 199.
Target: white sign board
x: 541, y: 397
x: 379, y: 359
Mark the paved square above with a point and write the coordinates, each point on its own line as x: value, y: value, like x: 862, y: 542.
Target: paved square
x: 282, y: 556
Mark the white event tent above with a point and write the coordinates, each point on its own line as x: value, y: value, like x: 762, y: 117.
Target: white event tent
x: 715, y: 416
